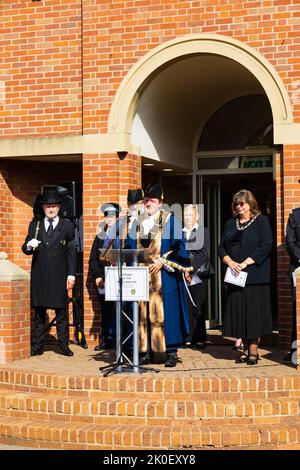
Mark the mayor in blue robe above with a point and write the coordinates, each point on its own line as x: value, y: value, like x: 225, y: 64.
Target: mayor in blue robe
x: 164, y: 321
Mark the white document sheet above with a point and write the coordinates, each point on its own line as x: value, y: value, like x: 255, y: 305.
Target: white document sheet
x: 232, y: 278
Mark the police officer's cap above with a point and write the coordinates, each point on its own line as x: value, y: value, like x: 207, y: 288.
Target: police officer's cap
x: 111, y: 208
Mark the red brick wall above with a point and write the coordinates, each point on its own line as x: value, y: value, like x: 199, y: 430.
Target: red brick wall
x: 40, y: 50
x: 45, y: 52
x: 14, y: 320
x: 118, y: 33
x: 105, y: 178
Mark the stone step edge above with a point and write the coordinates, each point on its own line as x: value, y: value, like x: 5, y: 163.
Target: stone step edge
x: 157, y: 384
x: 132, y: 436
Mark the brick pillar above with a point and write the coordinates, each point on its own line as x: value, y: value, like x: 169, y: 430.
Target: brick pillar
x: 6, y: 211
x: 106, y: 178
x: 14, y: 311
x: 284, y: 300
x: 288, y: 198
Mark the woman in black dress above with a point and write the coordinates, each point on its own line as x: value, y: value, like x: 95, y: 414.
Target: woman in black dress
x: 246, y: 245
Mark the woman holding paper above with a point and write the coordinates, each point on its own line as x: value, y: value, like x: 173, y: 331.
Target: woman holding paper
x: 245, y: 248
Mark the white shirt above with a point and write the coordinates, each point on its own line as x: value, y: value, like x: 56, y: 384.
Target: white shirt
x: 188, y: 231
x: 54, y: 223
x: 148, y: 223
x: 195, y: 279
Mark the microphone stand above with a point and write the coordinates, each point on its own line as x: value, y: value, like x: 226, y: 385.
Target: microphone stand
x: 122, y: 364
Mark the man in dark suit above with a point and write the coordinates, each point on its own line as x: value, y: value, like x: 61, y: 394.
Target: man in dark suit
x: 293, y: 248
x: 198, y: 246
x: 51, y: 242
x: 108, y: 237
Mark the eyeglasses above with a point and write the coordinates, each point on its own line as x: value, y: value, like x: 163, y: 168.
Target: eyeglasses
x: 240, y: 203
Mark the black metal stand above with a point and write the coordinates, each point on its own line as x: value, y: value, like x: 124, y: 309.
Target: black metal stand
x: 77, y: 309
x: 122, y: 364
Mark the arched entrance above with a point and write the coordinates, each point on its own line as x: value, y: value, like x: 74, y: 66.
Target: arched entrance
x: 210, y: 94
x: 235, y: 151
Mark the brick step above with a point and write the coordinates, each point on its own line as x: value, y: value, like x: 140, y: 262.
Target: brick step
x: 56, y: 435
x: 154, y: 413
x: 162, y: 386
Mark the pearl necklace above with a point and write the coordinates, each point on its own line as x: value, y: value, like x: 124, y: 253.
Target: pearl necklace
x: 247, y: 224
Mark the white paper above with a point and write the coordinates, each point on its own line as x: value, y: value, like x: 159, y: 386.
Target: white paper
x: 135, y: 283
x: 294, y: 279
x: 236, y: 279
x: 195, y: 280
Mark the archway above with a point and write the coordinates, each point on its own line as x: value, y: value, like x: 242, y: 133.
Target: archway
x: 167, y: 99
x: 157, y: 61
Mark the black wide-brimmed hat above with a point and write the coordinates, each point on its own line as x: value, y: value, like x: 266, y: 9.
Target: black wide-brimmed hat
x: 154, y: 191
x: 111, y: 208
x: 51, y: 196
x: 135, y: 195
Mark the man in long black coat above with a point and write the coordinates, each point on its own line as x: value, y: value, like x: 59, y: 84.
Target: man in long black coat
x: 51, y: 242
x: 105, y: 239
x: 293, y: 248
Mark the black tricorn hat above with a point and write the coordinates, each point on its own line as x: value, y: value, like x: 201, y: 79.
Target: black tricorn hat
x: 135, y: 195
x: 111, y: 208
x: 51, y: 196
x: 154, y: 191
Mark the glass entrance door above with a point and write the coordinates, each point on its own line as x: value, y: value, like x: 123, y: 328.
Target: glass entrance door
x: 216, y: 177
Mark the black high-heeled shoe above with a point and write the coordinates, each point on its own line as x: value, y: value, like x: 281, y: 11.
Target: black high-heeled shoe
x: 243, y: 359
x: 254, y: 360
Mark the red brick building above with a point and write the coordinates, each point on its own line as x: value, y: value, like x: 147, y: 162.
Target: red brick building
x: 207, y: 92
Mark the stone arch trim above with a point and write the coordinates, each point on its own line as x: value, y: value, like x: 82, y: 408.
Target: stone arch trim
x: 126, y: 99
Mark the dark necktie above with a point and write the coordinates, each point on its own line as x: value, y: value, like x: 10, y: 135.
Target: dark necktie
x: 50, y: 228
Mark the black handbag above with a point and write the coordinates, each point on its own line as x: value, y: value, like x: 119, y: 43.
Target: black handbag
x: 205, y: 269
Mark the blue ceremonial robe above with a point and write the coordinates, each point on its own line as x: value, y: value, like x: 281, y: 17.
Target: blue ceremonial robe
x: 176, y: 318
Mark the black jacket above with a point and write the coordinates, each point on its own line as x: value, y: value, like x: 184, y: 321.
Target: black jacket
x: 293, y: 239
x: 256, y: 243
x: 96, y: 266
x: 52, y: 262
x: 198, y: 246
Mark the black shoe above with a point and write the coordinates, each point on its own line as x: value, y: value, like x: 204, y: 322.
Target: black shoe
x: 171, y: 360
x: 243, y: 359
x: 36, y: 351
x: 66, y: 351
x: 145, y: 359
x: 98, y: 347
x: 107, y: 344
x: 253, y: 359
x: 199, y: 345
x: 288, y: 356
x: 238, y: 347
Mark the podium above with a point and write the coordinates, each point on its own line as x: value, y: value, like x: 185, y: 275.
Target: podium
x: 137, y: 290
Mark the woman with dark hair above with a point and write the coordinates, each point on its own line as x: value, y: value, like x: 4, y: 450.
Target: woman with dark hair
x: 246, y: 245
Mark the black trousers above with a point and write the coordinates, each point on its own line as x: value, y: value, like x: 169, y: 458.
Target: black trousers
x: 108, y: 320
x: 294, y: 328
x: 197, y: 319
x: 62, y: 326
